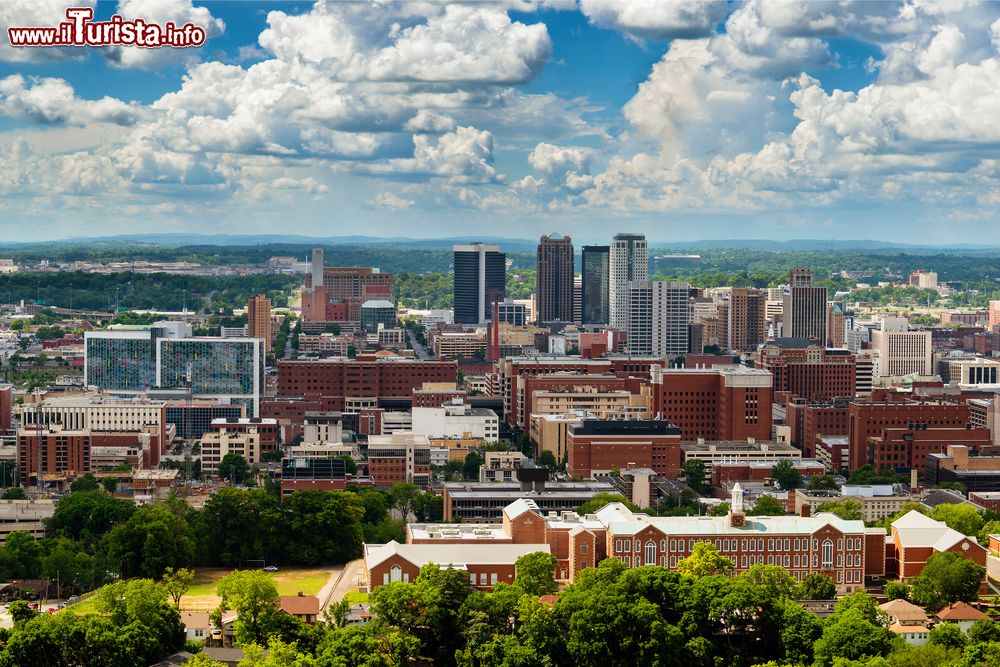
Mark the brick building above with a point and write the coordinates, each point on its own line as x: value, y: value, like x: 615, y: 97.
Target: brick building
x: 806, y: 370
x: 398, y: 458
x: 958, y: 463
x: 868, y: 419
x: 809, y: 420
x: 915, y: 537
x: 599, y: 446
x: 722, y: 403
x: 55, y: 453
x: 908, y: 447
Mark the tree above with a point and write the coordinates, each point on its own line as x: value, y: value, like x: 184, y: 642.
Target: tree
x: 402, y: 497
x: 154, y: 538
x: 693, y: 474
x: 352, y: 465
x: 428, y: 507
x: 948, y: 635
x: 85, y: 482
x: 767, y: 506
x: 535, y: 573
x: 602, y: 499
x: 336, y: 614
x: 254, y: 597
x: 14, y: 493
x: 177, y: 583
x: 470, y: 469
x: 966, y: 519
x: 786, y: 476
x: 816, y: 586
x: 848, y: 509
x: 20, y: 612
x: 323, y: 527
x: 821, y: 483
x: 897, y: 590
x: 234, y: 468
x: 548, y: 459
x: 947, y: 577
x: 110, y: 484
x: 849, y: 635
x: 705, y: 560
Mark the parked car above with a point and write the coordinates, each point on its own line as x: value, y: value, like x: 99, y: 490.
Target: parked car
x: 270, y: 568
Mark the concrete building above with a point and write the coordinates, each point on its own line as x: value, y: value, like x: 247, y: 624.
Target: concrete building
x: 594, y: 297
x: 598, y: 446
x: 259, y: 319
x: 900, y: 351
x: 808, y: 370
x: 247, y: 440
x: 514, y: 314
x: 877, y: 501
x: 456, y: 419
x: 721, y: 403
x: 554, y: 279
x: 398, y: 458
x: 977, y: 371
x: 804, y: 307
x: 323, y: 428
x: 746, y: 451
x: 550, y: 432
x: 924, y: 279
x: 658, y: 318
x: 335, y: 294
x: 959, y: 464
x: 747, y: 323
x: 500, y: 466
x: 627, y: 263
x: 459, y: 344
x: 30, y: 516
x: 479, y: 281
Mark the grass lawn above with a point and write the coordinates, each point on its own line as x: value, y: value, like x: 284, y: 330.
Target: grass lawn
x: 201, y: 596
x: 356, y: 597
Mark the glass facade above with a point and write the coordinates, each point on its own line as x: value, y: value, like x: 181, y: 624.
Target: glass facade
x: 121, y: 363
x: 594, y: 290
x: 217, y: 366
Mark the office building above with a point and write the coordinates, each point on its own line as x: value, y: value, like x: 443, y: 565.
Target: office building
x: 958, y: 463
x: 399, y: 457
x: 975, y: 371
x: 722, y: 403
x: 804, y: 309
x: 627, y: 263
x: 191, y: 419
x: 658, y: 318
x: 900, y: 351
x: 313, y: 473
x: 598, y: 446
x: 259, y: 319
x: 747, y: 313
x: 924, y: 279
x: 595, y: 263
x: 480, y: 275
x: 869, y: 420
x: 836, y: 326
x: 247, y: 438
x: 808, y: 370
x: 712, y: 452
x: 376, y: 314
x: 878, y: 501
x: 164, y: 357
x: 993, y: 314
x: 470, y: 502
x: 29, y: 516
x: 509, y: 312
x: 456, y: 419
x: 554, y: 279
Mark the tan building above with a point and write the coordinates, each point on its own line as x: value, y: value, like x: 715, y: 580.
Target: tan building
x: 747, y: 319
x: 456, y: 345
x: 877, y: 501
x: 549, y: 433
x: 901, y: 351
x: 259, y: 319
x: 602, y: 404
x: 458, y: 448
x: 500, y: 466
x: 216, y: 444
x: 25, y: 515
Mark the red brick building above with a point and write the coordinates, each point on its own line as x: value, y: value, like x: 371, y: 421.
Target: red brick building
x: 908, y: 447
x: 806, y: 420
x: 64, y: 454
x: 6, y: 406
x: 435, y: 397
x: 868, y: 419
x: 348, y: 384
x: 714, y: 403
x: 915, y: 538
x: 599, y: 446
x: 812, y: 372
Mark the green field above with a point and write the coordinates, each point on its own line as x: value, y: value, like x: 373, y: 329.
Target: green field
x: 356, y: 597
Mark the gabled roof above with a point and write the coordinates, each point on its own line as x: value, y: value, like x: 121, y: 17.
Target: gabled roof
x: 918, y: 530
x: 960, y: 611
x: 904, y: 612
x: 520, y: 506
x: 300, y: 605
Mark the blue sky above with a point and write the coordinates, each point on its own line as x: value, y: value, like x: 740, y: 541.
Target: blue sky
x: 682, y: 120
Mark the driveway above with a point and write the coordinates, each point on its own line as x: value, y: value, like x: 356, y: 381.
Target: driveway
x: 341, y: 584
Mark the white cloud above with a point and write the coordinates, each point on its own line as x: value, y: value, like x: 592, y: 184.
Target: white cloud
x: 656, y: 19
x: 49, y: 101
x: 180, y: 12
x: 392, y: 202
x: 35, y: 13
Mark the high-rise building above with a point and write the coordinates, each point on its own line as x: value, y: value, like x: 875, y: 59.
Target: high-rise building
x: 900, y: 351
x: 804, y: 311
x: 627, y: 263
x: 479, y: 280
x: 994, y: 314
x: 577, y: 300
x: 259, y: 319
x: 747, y: 312
x: 658, y: 317
x: 554, y: 278
x: 594, y: 289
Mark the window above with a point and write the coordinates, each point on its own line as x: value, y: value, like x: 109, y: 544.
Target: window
x: 385, y: 578
x: 482, y: 578
x: 795, y: 560
x: 651, y: 553
x: 395, y: 573
x: 744, y: 560
x: 788, y: 543
x: 770, y: 545
x: 493, y: 578
x: 663, y: 545
x: 828, y: 553
x: 583, y: 549
x: 637, y: 546
x: 796, y: 544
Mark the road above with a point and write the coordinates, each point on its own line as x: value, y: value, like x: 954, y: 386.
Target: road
x: 348, y: 580
x: 418, y: 349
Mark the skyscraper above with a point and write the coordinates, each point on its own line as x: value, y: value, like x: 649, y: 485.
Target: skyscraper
x: 747, y: 319
x: 628, y: 262
x: 555, y: 279
x: 659, y: 315
x: 594, y: 290
x: 804, y: 312
x: 479, y: 280
x: 259, y: 319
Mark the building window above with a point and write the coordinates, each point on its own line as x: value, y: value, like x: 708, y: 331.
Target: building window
x: 472, y: 579
x: 663, y: 545
x: 493, y: 578
x: 828, y: 553
x: 482, y: 578
x: 583, y: 549
x: 395, y: 573
x: 650, y: 553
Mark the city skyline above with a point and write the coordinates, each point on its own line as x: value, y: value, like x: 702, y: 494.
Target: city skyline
x: 687, y: 121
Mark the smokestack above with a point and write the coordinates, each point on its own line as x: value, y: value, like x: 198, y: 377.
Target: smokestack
x: 317, y: 268
x: 495, y: 343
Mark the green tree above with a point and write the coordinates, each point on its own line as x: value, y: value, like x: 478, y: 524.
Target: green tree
x: 786, y: 476
x: 767, y: 506
x: 85, y: 482
x: 69, y: 568
x: 693, y: 474
x: 821, y: 483
x: 849, y: 635
x: 402, y: 496
x: 14, y: 493
x: 897, y: 590
x: 233, y: 467
x: 848, y: 509
x: 470, y: 469
x: 254, y: 597
x: 601, y: 499
x: 86, y: 516
x: 947, y: 577
x: 548, y: 459
x: 705, y: 560
x: 177, y: 583
x: 535, y: 573
x: 352, y: 465
x: 428, y: 507
x: 21, y: 612
x: 323, y: 526
x: 966, y: 519
x: 154, y: 538
x: 948, y: 635
x: 110, y: 484
x: 239, y: 525
x: 816, y: 586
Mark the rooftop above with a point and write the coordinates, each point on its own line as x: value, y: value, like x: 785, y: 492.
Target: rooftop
x: 960, y: 611
x: 453, y: 555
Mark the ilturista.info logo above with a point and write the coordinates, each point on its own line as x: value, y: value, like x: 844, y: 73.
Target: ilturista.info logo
x: 81, y: 30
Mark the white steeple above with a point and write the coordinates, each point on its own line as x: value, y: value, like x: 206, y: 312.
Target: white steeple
x: 736, y: 501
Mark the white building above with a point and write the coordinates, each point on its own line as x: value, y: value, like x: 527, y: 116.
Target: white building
x: 456, y: 419
x: 629, y: 262
x: 658, y: 318
x: 901, y: 351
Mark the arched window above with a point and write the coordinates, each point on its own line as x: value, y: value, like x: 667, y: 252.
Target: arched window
x: 651, y: 553
x: 828, y: 553
x: 395, y: 573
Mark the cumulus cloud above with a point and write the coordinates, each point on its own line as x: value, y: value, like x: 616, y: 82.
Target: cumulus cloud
x: 52, y: 101
x: 180, y: 12
x: 656, y: 19
x: 392, y: 202
x: 34, y: 13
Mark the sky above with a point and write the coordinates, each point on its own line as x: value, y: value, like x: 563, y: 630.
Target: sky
x: 683, y: 120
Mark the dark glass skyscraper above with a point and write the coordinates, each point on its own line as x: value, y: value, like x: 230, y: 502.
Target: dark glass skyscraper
x: 480, y: 278
x: 594, y: 292
x: 555, y: 279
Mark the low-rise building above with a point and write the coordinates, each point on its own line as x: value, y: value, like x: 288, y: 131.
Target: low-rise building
x: 29, y: 516
x: 500, y: 466
x: 597, y: 446
x: 399, y: 457
x: 456, y: 419
x: 915, y: 537
x: 877, y: 501
x: 959, y: 464
x: 712, y: 452
x: 318, y: 474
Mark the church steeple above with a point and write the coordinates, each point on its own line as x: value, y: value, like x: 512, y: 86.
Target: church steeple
x: 737, y: 519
